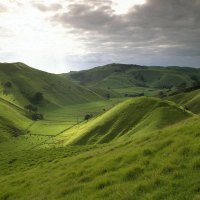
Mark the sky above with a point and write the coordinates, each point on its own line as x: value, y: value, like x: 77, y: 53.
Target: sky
x: 68, y: 35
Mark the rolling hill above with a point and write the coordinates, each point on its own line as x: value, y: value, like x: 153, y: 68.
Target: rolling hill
x: 159, y: 164
x: 13, y: 120
x: 137, y: 115
x: 20, y: 84
x: 118, y: 76
x: 190, y: 100
x: 135, y: 148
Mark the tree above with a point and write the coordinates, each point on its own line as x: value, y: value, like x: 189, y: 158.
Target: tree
x: 196, y: 83
x: 31, y: 108
x: 88, y: 116
x: 108, y: 96
x: 37, y: 116
x: 161, y: 94
x: 7, y: 84
x: 38, y: 97
x: 182, y: 86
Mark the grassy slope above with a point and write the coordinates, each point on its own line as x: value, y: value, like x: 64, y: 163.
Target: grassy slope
x: 117, y: 76
x: 151, y: 161
x: 27, y: 81
x: 136, y: 115
x: 13, y: 120
x: 189, y: 99
x: 163, y: 164
x: 56, y: 121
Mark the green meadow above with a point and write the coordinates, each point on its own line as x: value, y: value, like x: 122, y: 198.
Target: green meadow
x: 93, y: 140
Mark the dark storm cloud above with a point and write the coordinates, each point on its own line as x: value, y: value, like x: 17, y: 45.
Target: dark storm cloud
x: 159, y: 27
x: 46, y: 8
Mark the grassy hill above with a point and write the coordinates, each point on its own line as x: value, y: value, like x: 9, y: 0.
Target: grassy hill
x: 118, y: 76
x: 190, y: 100
x: 19, y: 84
x: 13, y: 120
x: 141, y: 148
x: 159, y: 164
x: 137, y: 115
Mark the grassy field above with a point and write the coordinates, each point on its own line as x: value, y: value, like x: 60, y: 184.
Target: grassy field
x: 132, y: 148
x: 133, y: 116
x: 159, y: 160
x: 56, y: 121
x: 163, y: 164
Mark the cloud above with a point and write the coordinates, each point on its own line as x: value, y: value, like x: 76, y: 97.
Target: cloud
x: 86, y: 33
x: 3, y: 8
x: 157, y: 27
x: 47, y: 8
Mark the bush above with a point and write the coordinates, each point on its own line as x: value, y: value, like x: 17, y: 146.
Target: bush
x: 38, y: 97
x: 7, y: 84
x: 37, y: 116
x: 31, y: 108
x: 181, y: 87
x: 161, y: 94
x: 108, y: 96
x: 88, y: 116
x: 134, y: 95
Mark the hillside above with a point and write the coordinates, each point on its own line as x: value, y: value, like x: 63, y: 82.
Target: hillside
x: 137, y: 115
x: 162, y: 164
x: 117, y: 76
x: 19, y: 84
x: 13, y: 120
x: 131, y: 148
x: 190, y: 100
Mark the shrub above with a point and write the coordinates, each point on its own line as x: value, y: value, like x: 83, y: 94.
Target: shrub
x: 31, y: 108
x: 38, y: 97
x: 37, y: 116
x: 161, y: 94
x: 134, y: 95
x: 108, y: 96
x: 7, y: 84
x: 88, y: 116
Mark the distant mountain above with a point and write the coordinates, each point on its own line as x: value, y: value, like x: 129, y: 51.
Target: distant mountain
x: 115, y: 76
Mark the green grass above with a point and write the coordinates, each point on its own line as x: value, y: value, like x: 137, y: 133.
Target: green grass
x: 26, y: 81
x: 133, y: 116
x: 13, y: 120
x: 137, y: 90
x: 141, y: 148
x: 163, y: 164
x: 115, y: 76
x: 56, y: 122
x: 190, y: 100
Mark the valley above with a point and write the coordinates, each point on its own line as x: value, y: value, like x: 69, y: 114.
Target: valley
x: 111, y: 132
